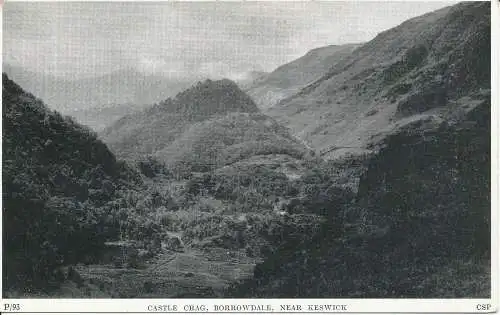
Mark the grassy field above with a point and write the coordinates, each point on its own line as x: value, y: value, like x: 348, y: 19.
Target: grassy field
x: 193, y: 273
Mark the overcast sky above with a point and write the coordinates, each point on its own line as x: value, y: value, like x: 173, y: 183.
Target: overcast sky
x: 178, y: 39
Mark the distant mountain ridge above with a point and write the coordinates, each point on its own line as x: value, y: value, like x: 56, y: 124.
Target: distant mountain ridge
x: 125, y: 86
x: 288, y: 79
x: 98, y: 118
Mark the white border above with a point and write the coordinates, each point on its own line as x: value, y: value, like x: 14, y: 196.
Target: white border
x: 495, y: 128
x: 358, y: 306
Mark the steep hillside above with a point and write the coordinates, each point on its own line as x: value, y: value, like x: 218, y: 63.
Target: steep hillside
x: 288, y: 79
x: 209, y: 125
x: 126, y: 86
x: 419, y: 224
x: 59, y: 185
x: 422, y: 69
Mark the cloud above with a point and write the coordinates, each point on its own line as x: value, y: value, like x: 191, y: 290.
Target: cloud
x: 152, y: 64
x: 183, y: 39
x: 155, y: 65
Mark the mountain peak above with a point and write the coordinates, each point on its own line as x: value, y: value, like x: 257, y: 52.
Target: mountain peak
x: 167, y: 120
x: 211, y: 98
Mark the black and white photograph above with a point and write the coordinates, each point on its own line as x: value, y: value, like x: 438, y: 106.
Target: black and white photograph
x: 306, y: 149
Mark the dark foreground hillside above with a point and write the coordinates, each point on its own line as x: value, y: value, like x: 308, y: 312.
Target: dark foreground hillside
x: 48, y: 163
x: 59, y: 183
x: 418, y: 227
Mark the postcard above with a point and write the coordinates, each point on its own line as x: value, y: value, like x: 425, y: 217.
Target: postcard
x: 250, y: 157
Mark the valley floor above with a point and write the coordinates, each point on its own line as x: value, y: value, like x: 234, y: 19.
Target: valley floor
x: 202, y: 274
x: 193, y: 273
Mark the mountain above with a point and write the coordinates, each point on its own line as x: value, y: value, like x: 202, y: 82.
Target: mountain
x: 288, y: 79
x: 98, y: 118
x: 126, y: 86
x: 416, y: 101
x: 426, y: 69
x: 209, y: 125
x: 57, y: 180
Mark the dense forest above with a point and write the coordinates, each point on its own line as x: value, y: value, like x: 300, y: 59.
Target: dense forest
x: 63, y: 191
